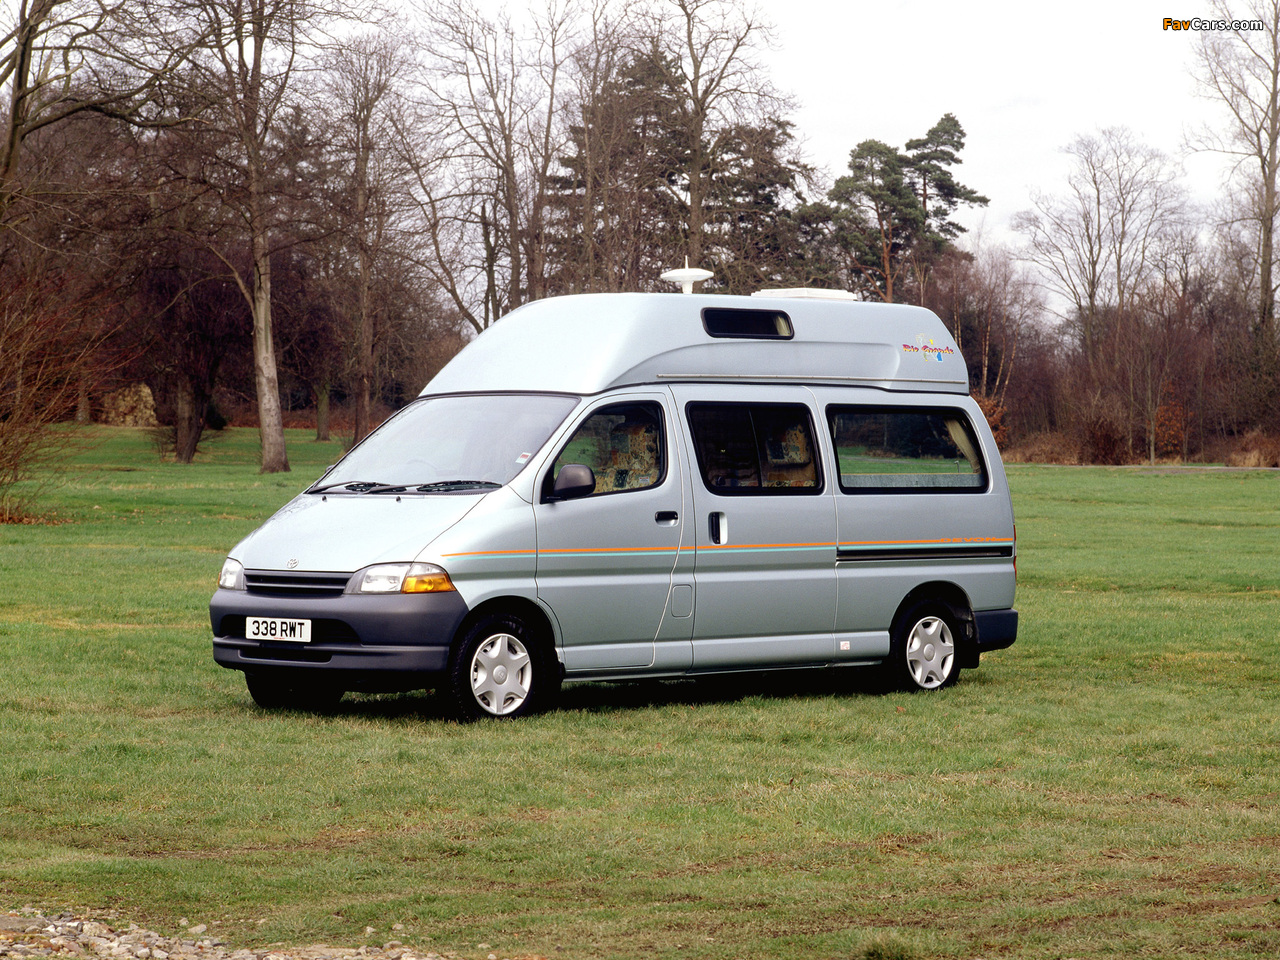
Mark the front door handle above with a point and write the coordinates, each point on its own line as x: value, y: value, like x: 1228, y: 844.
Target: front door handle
x: 666, y: 517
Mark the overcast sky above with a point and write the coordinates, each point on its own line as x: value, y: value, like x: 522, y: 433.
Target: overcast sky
x: 1023, y: 79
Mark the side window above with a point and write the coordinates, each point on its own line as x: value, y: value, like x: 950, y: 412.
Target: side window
x: 905, y: 450
x: 622, y: 444
x: 755, y: 448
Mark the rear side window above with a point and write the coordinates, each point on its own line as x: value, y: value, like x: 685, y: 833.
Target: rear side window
x: 906, y: 450
x: 755, y: 448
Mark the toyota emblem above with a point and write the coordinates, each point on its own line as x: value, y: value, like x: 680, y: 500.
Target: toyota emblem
x: 293, y: 563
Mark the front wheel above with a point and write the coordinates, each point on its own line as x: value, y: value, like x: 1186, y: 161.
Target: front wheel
x: 502, y: 668
x: 924, y: 647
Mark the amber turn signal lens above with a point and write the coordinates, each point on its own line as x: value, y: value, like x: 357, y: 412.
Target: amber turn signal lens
x: 426, y: 578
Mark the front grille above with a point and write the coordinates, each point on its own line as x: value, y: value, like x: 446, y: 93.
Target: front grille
x: 284, y: 583
x: 322, y: 631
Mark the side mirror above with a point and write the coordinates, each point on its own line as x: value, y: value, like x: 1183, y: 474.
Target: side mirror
x: 575, y: 480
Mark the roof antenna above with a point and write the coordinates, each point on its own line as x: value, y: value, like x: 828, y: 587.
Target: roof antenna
x: 687, y: 277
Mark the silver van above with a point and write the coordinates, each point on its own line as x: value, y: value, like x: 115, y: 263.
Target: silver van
x: 622, y: 486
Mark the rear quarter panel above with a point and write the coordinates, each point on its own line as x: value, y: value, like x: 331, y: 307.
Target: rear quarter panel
x: 891, y: 543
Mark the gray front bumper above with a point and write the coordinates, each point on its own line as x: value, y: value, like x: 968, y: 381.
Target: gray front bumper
x: 374, y: 641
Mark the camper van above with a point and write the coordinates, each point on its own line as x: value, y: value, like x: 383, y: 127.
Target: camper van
x: 625, y: 486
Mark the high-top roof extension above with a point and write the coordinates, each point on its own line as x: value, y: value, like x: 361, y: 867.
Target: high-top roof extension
x: 589, y: 343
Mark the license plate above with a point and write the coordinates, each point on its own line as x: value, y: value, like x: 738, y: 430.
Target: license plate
x: 277, y: 628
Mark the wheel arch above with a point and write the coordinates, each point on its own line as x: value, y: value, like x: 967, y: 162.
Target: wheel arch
x: 957, y: 601
x: 527, y: 610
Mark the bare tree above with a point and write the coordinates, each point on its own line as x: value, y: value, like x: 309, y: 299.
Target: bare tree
x: 313, y: 318
x: 598, y: 211
x: 1066, y: 240
x: 483, y: 183
x: 1148, y: 209
x: 60, y: 58
x: 619, y: 208
x: 575, y: 148
x: 189, y: 319
x: 1241, y: 68
x: 705, y: 50
x: 364, y: 84
x: 1095, y: 244
x: 49, y: 338
x: 244, y: 72
x: 1099, y: 249
x: 68, y: 70
x: 990, y: 304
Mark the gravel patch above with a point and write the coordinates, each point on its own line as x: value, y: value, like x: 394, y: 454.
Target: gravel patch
x: 28, y: 933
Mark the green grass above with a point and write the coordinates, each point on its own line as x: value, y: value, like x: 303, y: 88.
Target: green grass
x: 859, y: 461
x: 1109, y: 786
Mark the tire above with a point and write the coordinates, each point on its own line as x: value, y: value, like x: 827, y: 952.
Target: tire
x: 283, y: 690
x: 924, y: 650
x: 502, y: 668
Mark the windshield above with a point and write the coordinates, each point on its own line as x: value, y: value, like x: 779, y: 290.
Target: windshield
x: 451, y: 444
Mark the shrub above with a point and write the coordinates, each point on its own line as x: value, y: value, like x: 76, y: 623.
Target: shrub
x: 49, y: 359
x: 994, y: 411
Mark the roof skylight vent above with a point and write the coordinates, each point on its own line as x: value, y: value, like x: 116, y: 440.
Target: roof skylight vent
x: 805, y: 293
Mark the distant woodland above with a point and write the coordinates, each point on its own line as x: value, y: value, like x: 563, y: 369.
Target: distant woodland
x: 279, y: 212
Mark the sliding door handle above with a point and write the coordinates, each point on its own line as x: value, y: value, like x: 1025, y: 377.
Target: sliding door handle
x: 718, y: 527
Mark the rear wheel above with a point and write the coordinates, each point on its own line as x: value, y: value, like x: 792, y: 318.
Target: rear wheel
x: 924, y: 654
x: 286, y: 690
x: 502, y: 668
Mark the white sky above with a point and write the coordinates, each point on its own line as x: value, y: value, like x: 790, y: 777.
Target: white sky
x: 1022, y: 78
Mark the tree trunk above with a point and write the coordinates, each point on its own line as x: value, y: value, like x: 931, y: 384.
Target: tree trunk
x: 84, y: 408
x: 697, y: 194
x: 364, y: 322
x: 364, y: 370
x: 188, y: 421
x: 322, y: 412
x: 270, y: 420
x: 1266, y: 255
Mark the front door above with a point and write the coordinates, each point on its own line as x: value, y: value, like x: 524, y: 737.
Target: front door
x: 606, y: 560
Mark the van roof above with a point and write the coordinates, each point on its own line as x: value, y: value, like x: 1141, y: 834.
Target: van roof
x: 589, y: 343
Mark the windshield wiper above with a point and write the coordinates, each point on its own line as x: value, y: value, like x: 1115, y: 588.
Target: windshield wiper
x: 356, y: 486
x: 456, y: 484
x: 376, y: 486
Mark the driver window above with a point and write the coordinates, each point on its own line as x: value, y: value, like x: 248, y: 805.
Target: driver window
x: 623, y: 446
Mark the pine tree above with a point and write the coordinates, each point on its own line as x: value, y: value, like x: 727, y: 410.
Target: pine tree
x: 929, y: 160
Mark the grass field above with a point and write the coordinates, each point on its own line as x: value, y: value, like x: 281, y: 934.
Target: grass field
x: 1109, y: 786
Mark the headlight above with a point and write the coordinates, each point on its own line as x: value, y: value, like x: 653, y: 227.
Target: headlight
x: 232, y: 575
x: 401, y: 578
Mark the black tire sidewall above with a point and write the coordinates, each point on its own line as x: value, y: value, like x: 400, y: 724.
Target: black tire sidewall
x: 906, y: 621
x: 543, y: 685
